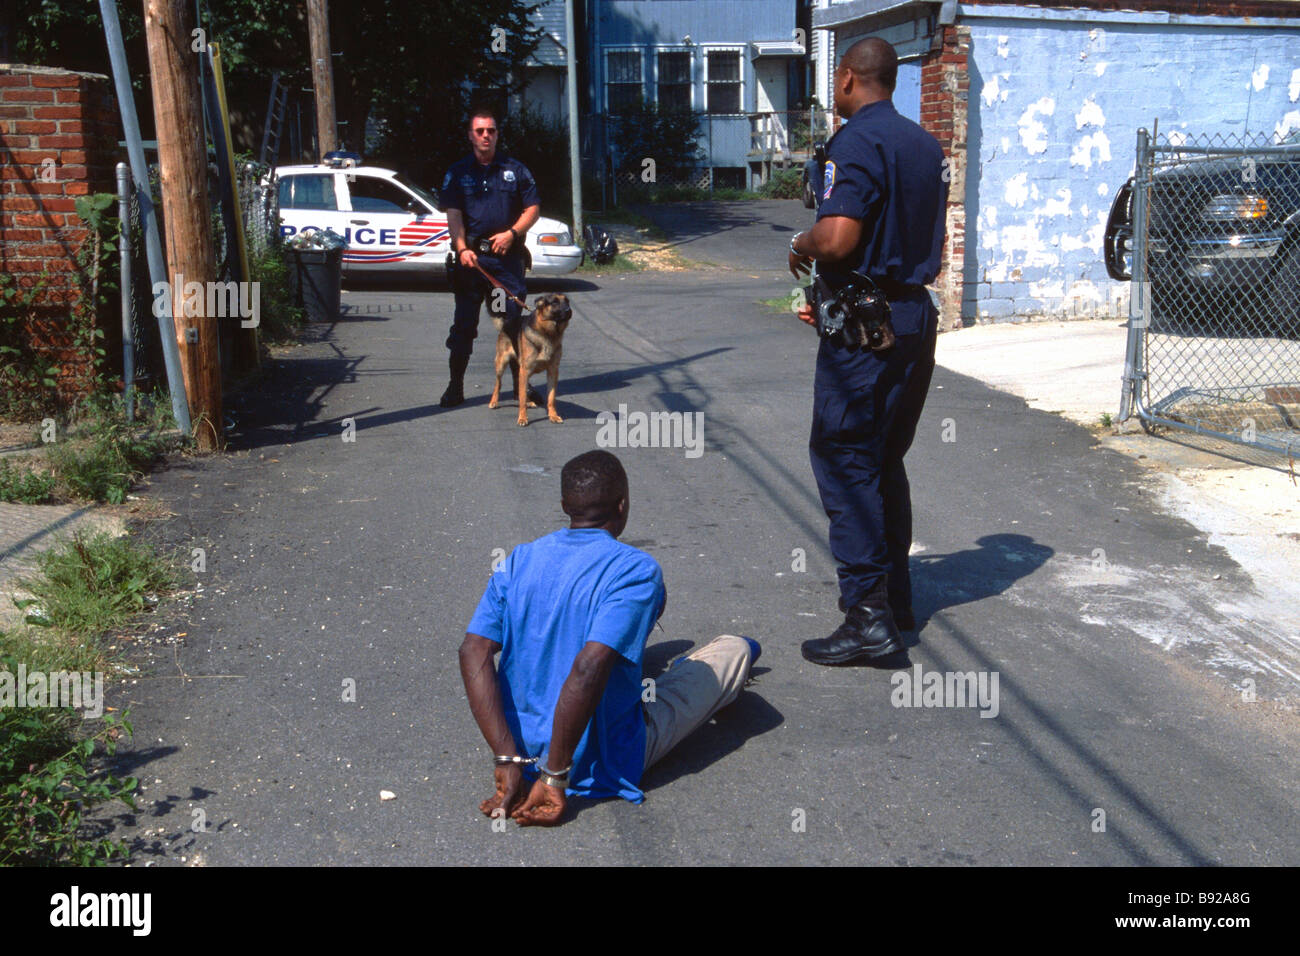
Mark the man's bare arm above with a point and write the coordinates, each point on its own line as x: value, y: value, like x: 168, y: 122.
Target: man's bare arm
x: 579, y: 696
x: 832, y: 239
x: 479, y: 673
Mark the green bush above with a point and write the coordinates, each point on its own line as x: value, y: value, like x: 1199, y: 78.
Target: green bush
x: 783, y: 184
x: 280, y: 317
x: 24, y: 485
x: 47, y: 785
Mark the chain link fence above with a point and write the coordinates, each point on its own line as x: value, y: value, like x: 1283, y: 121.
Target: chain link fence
x: 259, y: 207
x: 1213, y: 225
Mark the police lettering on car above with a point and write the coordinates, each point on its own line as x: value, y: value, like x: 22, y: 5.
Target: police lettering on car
x: 491, y: 201
x: 877, y: 244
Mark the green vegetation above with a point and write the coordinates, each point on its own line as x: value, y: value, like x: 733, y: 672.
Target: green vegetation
x: 47, y: 783
x: 96, y: 455
x: 783, y: 184
x: 620, y: 263
x: 24, y: 485
x: 95, y: 583
x: 101, y: 455
x: 85, y: 587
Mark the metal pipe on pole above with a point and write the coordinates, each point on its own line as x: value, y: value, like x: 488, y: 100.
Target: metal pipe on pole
x: 148, y: 219
x: 575, y: 160
x: 124, y: 247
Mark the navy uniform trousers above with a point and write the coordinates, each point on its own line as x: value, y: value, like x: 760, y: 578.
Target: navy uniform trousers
x: 470, y: 286
x: 865, y: 409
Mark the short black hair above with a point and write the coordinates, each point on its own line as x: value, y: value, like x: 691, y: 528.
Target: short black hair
x: 872, y: 58
x: 483, y: 111
x: 592, y: 484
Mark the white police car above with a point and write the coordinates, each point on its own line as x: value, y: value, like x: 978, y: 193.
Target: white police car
x: 392, y: 225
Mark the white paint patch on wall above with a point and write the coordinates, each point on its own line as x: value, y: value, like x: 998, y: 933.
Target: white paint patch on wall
x: 1103, y: 189
x: 1100, y: 67
x: 1293, y: 88
x: 1059, y: 206
x: 1082, y: 152
x: 1004, y: 46
x: 1259, y: 79
x: 1017, y: 190
x: 990, y: 91
x: 1290, y: 122
x: 1033, y: 134
x: 1089, y: 114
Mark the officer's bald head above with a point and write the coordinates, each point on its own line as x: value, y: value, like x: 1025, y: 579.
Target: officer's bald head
x: 872, y: 60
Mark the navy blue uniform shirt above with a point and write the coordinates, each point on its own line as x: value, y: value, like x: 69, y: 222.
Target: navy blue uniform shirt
x: 490, y: 197
x: 885, y: 170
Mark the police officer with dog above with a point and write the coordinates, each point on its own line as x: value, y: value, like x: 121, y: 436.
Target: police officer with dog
x: 877, y: 243
x: 491, y: 202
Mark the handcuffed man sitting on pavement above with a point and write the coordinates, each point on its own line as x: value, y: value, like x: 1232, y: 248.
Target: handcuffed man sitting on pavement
x: 570, y: 614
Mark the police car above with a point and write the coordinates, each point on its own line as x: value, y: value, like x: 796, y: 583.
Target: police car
x: 391, y: 224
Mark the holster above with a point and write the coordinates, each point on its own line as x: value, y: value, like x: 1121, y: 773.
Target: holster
x: 854, y: 315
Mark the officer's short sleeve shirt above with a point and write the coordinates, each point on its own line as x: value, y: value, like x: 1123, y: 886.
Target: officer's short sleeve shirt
x: 886, y: 171
x: 491, y: 197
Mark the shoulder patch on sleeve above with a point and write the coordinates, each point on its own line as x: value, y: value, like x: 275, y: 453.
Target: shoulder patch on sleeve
x: 828, y: 179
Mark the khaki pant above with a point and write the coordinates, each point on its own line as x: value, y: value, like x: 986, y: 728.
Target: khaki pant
x: 691, y: 691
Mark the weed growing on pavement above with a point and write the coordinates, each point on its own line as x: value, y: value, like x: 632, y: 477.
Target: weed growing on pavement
x: 24, y: 485
x: 103, y: 454
x: 95, y: 582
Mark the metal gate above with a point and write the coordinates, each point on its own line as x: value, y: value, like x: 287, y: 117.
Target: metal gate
x: 1208, y: 233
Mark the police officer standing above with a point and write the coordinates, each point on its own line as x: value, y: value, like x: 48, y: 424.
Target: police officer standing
x: 491, y: 203
x: 883, y: 198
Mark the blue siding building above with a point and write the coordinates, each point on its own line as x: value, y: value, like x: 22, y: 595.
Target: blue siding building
x: 1038, y: 108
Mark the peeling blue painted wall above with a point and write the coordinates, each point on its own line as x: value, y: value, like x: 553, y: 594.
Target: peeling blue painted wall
x: 1053, y: 116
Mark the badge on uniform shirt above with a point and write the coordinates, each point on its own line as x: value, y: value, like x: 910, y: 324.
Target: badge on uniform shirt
x: 828, y: 179
x: 508, y: 175
x: 467, y: 183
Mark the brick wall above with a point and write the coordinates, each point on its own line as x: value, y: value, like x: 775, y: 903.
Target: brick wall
x: 58, y: 140
x: 945, y: 87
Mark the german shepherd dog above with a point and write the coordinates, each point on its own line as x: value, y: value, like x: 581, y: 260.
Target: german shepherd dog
x: 538, y: 347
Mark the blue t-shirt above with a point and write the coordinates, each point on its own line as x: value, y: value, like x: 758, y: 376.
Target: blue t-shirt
x: 546, y: 600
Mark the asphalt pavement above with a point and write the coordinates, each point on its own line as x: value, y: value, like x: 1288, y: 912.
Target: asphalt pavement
x: 350, y: 533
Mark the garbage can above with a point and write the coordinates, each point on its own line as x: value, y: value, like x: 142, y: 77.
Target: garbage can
x: 316, y: 277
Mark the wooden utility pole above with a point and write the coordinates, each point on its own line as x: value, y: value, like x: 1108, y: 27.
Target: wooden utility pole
x: 191, y: 260
x: 322, y: 76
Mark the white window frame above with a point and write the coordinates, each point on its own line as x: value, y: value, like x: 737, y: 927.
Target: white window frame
x: 674, y: 48
x: 620, y: 48
x: 738, y: 49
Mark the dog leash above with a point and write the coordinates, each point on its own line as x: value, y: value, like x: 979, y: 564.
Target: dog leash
x: 491, y: 278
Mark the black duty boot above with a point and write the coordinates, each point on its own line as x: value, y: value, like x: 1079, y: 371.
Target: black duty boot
x: 867, y: 634
x: 455, y: 393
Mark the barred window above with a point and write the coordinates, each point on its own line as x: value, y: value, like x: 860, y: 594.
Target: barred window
x: 723, y: 81
x: 623, y: 78
x: 674, y: 80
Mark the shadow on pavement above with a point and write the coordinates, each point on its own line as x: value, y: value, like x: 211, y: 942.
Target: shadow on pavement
x: 942, y: 581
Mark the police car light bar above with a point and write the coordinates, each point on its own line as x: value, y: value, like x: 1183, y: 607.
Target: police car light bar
x: 340, y: 159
